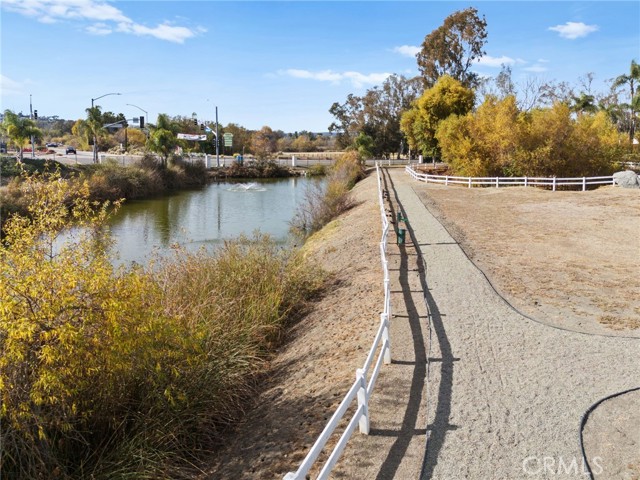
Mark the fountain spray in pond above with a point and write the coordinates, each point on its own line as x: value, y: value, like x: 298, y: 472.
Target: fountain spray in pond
x: 247, y: 187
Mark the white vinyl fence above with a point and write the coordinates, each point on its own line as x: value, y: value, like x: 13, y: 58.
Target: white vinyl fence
x: 552, y: 182
x: 361, y: 389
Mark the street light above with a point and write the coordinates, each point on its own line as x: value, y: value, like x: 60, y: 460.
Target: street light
x: 146, y: 115
x: 95, y: 137
x: 105, y: 95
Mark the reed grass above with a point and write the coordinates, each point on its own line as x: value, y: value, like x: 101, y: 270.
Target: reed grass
x: 325, y: 201
x: 112, y: 373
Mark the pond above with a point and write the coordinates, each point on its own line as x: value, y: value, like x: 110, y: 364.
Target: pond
x: 206, y: 217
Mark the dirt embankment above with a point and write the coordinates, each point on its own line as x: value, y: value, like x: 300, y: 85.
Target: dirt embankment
x: 311, y: 373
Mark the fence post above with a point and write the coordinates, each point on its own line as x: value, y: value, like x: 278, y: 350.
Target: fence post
x: 362, y: 400
x: 497, y: 182
x: 554, y: 184
x: 446, y: 181
x: 385, y: 338
x: 469, y: 182
x: 584, y: 184
x: 526, y: 181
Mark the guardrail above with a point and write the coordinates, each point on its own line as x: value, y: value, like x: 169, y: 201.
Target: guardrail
x: 552, y: 182
x: 360, y: 389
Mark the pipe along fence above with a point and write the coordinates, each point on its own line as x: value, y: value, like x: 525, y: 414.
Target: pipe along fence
x: 360, y: 389
x: 552, y: 182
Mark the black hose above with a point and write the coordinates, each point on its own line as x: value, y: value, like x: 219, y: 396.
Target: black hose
x: 585, y: 417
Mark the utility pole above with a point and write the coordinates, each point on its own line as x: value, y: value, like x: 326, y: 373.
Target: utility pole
x: 217, y: 141
x: 33, y: 145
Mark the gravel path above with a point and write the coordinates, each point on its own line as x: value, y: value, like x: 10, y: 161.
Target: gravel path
x: 505, y: 394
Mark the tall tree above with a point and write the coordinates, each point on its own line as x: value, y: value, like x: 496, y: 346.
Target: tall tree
x: 452, y: 48
x: 263, y: 143
x: 163, y: 139
x: 584, y: 103
x: 19, y: 130
x: 447, y: 97
x: 93, y: 126
x: 348, y: 122
x: 376, y: 114
x: 632, y: 79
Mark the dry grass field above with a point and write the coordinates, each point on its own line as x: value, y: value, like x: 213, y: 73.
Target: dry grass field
x: 570, y: 259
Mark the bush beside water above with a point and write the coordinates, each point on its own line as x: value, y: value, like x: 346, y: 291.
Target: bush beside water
x: 108, y: 372
x: 108, y: 181
x: 323, y: 203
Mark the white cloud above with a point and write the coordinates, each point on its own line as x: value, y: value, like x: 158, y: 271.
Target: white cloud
x: 407, y: 50
x: 10, y: 87
x: 573, y: 30
x: 162, y: 32
x: 489, y: 61
x: 357, y: 79
x: 99, y: 29
x: 100, y: 12
x: 536, y: 68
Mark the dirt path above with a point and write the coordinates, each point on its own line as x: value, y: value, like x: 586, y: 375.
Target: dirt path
x: 502, y: 394
x: 507, y: 391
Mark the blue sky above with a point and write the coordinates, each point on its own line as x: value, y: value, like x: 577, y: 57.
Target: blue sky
x: 280, y: 64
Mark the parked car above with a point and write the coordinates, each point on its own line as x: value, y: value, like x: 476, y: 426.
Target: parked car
x: 51, y: 144
x: 70, y: 150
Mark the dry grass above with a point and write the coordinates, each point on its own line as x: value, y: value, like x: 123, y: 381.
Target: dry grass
x: 568, y: 258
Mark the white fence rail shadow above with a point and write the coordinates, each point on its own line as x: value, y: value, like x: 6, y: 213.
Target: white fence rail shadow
x: 552, y: 182
x: 361, y: 389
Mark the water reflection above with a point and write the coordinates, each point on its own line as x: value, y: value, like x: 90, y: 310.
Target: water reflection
x: 206, y: 217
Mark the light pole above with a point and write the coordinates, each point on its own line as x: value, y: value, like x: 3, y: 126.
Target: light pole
x: 217, y: 141
x: 146, y: 115
x: 95, y: 134
x: 33, y: 144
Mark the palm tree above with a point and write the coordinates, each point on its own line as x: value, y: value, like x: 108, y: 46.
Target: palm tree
x: 163, y: 139
x: 19, y: 130
x: 93, y: 126
x: 583, y: 103
x: 632, y: 79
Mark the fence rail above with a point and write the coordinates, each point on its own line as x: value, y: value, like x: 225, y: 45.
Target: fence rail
x: 360, y: 389
x: 551, y: 182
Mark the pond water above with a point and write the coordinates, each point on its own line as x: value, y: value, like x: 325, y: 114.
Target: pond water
x: 206, y: 217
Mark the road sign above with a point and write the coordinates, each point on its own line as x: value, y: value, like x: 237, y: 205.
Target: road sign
x: 228, y: 139
x: 190, y: 136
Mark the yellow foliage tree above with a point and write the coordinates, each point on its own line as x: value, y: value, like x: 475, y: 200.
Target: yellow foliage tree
x: 77, y: 338
x: 499, y: 140
x: 481, y: 143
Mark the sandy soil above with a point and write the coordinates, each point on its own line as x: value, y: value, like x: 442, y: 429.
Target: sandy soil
x: 607, y: 429
x: 574, y: 253
x: 567, y: 258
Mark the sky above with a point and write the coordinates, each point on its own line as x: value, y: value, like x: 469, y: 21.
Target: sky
x: 281, y: 64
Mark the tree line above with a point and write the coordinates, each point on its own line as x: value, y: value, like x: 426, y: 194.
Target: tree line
x: 108, y: 132
x: 482, y: 126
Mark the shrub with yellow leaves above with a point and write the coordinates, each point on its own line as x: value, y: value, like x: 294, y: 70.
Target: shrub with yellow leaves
x: 110, y: 372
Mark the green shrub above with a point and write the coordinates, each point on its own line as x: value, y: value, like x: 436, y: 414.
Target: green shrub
x: 317, y: 170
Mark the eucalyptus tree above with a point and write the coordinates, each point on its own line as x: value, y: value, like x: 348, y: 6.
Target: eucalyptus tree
x: 453, y: 48
x: 19, y: 130
x: 376, y: 114
x: 632, y: 79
